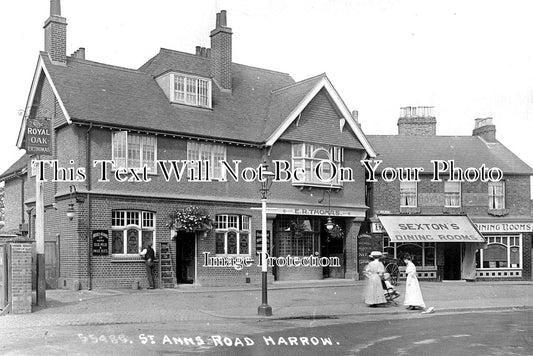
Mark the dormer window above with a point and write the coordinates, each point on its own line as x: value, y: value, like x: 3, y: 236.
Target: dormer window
x: 190, y: 90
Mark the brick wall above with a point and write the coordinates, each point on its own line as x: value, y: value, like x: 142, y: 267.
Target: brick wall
x: 417, y: 126
x: 14, y: 207
x: 20, y: 277
x: 55, y: 38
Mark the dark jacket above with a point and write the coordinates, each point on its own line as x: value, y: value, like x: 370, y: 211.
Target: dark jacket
x: 150, y: 254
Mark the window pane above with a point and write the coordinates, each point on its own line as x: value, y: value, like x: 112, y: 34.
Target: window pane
x: 179, y: 88
x: 232, y: 243
x: 233, y: 222
x: 221, y: 221
x: 243, y: 244
x: 147, y: 235
x: 495, y: 256
x: 133, y: 241
x: 148, y: 219
x: 132, y: 218
x: 148, y: 152
x: 190, y: 96
x: 245, y: 222
x: 219, y: 243
x: 515, y: 257
x: 429, y: 256
x: 414, y: 250
x: 117, y: 241
x: 119, y: 149
x: 134, y: 151
x: 203, y: 92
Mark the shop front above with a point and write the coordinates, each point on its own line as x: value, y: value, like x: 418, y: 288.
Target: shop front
x: 442, y: 247
x: 319, y: 240
x: 505, y: 256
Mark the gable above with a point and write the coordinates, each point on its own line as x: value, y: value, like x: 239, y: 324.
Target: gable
x: 320, y: 122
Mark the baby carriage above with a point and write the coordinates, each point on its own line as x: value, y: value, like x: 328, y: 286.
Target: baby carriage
x: 391, y: 294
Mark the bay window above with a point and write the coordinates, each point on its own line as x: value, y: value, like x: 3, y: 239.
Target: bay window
x: 310, y: 157
x: 501, y: 252
x: 131, y: 230
x: 232, y: 234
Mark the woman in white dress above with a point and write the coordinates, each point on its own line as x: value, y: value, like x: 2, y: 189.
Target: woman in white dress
x: 413, y: 295
x: 374, y: 270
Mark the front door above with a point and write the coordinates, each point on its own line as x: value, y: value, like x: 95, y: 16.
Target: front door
x: 452, y: 260
x: 185, y: 252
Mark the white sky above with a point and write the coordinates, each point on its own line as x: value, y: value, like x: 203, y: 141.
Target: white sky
x: 467, y: 58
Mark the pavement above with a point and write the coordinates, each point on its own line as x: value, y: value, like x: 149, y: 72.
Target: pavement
x: 289, y: 300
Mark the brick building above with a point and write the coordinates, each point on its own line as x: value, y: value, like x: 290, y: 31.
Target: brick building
x: 198, y: 107
x: 15, y: 180
x: 501, y: 211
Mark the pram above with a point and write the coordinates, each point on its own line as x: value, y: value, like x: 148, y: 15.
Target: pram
x: 389, y: 291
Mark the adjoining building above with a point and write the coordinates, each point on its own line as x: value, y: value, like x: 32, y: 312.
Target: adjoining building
x: 189, y: 106
x: 429, y: 219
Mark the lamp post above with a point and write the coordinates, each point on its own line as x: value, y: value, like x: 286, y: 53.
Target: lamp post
x: 266, y: 182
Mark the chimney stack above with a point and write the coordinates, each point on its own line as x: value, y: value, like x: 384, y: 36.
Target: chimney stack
x: 79, y: 53
x: 417, y: 121
x: 221, y: 52
x: 485, y: 129
x: 55, y: 34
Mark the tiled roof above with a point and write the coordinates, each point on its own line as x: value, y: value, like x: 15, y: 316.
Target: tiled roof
x: 16, y: 167
x: 466, y: 151
x: 103, y: 94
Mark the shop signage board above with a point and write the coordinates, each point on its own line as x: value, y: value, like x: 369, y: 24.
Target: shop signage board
x: 259, y: 240
x: 428, y: 228
x: 501, y: 227
x: 100, y: 242
x: 38, y: 136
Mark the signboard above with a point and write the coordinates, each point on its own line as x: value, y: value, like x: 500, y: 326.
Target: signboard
x: 364, y: 247
x: 38, y: 136
x: 377, y: 228
x: 504, y: 227
x: 100, y: 243
x: 316, y: 212
x: 259, y: 241
x: 427, y: 228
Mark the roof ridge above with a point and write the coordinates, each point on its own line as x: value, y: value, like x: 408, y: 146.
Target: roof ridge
x: 298, y: 83
x: 100, y: 64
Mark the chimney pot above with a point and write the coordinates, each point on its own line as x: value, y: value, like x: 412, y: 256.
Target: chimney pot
x: 417, y: 121
x: 223, y: 20
x: 55, y: 7
x: 198, y: 50
x: 218, y: 20
x: 485, y: 129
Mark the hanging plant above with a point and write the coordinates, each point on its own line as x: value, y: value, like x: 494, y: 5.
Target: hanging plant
x: 190, y: 219
x: 336, y: 232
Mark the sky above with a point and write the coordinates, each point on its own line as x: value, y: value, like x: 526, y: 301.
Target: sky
x: 468, y: 59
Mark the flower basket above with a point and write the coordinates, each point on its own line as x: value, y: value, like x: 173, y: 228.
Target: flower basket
x: 190, y: 219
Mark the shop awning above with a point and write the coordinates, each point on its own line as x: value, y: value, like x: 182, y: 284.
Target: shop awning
x: 430, y: 228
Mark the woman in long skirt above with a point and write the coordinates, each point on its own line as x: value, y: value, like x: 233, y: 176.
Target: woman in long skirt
x: 374, y: 293
x: 413, y: 295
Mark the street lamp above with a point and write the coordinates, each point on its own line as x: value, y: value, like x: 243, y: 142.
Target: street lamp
x: 266, y: 182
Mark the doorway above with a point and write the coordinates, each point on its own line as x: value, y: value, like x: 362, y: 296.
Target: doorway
x: 332, y: 245
x: 185, y: 253
x: 452, y: 261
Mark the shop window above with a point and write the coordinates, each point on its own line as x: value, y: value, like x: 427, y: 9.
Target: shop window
x: 134, y: 151
x: 501, y: 252
x: 212, y: 153
x: 310, y: 157
x: 297, y: 236
x: 452, y: 194
x: 497, y: 195
x: 408, y: 194
x: 131, y: 230
x: 232, y: 234
x: 422, y: 254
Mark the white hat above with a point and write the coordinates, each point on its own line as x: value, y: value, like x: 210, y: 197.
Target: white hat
x: 376, y: 254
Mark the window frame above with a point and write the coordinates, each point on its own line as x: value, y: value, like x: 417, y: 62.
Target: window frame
x: 142, y: 143
x: 198, y: 148
x: 492, y: 196
x: 198, y: 84
x: 511, y: 242
x: 402, y: 195
x: 142, y: 217
x: 222, y: 226
x: 452, y: 194
x: 424, y: 247
x: 303, y: 156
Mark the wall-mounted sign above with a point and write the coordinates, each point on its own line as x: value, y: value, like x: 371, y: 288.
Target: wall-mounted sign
x: 259, y: 240
x: 38, y: 136
x: 377, y: 228
x: 100, y: 242
x: 504, y: 227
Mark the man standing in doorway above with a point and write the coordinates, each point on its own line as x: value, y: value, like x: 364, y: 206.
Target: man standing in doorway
x: 149, y: 258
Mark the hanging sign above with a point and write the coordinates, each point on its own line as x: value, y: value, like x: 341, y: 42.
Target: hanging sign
x: 100, y: 243
x: 38, y: 136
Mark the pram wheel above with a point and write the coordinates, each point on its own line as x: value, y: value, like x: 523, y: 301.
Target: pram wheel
x: 394, y: 271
